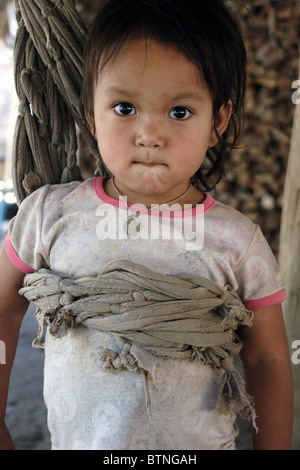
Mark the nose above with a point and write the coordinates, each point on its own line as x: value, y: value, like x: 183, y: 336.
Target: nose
x: 150, y: 135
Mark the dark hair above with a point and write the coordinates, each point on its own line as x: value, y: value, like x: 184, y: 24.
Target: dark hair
x: 205, y: 32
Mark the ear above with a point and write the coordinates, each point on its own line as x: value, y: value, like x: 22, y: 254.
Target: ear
x: 221, y: 123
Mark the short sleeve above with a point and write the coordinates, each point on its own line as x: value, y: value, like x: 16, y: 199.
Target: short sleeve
x: 258, y: 275
x: 23, y: 243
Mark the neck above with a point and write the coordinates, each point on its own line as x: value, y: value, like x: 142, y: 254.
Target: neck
x: 167, y: 199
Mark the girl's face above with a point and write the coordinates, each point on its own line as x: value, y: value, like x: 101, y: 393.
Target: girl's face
x: 153, y: 121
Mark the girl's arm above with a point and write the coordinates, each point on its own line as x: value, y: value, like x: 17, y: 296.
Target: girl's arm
x: 12, y: 309
x: 268, y: 375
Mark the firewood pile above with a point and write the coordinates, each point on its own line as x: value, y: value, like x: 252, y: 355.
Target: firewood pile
x: 255, y: 183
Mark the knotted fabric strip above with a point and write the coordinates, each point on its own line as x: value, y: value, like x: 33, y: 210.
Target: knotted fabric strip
x: 153, y: 317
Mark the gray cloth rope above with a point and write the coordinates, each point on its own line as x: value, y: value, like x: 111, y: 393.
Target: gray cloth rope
x: 48, y: 58
x: 153, y: 317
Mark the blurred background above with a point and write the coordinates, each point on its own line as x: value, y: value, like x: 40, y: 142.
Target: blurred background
x: 254, y: 185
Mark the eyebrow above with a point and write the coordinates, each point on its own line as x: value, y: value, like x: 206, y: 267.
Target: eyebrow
x: 181, y: 96
x: 184, y: 96
x: 112, y: 90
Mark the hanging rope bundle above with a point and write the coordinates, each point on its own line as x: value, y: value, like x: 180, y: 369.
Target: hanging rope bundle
x: 48, y: 72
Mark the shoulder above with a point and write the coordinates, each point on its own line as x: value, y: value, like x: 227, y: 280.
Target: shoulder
x: 253, y: 263
x: 31, y: 231
x: 67, y: 190
x: 56, y: 194
x: 227, y: 223
x: 226, y: 212
x: 46, y: 205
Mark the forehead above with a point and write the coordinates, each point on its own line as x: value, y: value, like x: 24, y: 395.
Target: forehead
x: 150, y: 62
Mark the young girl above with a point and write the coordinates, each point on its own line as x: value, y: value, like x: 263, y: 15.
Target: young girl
x: 163, y: 92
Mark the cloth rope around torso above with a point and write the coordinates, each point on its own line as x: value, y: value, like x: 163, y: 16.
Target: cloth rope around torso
x: 153, y: 317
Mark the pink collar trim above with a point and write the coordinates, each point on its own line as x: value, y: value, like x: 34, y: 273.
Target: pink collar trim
x: 199, y: 209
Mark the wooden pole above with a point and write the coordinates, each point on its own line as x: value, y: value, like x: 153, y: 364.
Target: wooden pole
x: 289, y: 260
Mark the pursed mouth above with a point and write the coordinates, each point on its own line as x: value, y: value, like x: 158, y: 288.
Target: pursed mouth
x: 149, y: 164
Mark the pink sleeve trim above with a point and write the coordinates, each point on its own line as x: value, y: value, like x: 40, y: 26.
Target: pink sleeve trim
x: 15, y: 259
x: 266, y: 301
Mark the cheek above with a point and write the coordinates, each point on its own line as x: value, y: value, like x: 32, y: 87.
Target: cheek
x: 193, y: 144
x: 191, y: 150
x: 111, y: 131
x: 113, y: 148
x: 197, y: 134
x: 108, y: 148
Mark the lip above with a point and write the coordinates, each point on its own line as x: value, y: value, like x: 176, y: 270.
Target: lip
x: 148, y: 164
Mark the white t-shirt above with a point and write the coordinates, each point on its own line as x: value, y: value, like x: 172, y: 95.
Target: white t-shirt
x: 76, y: 229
